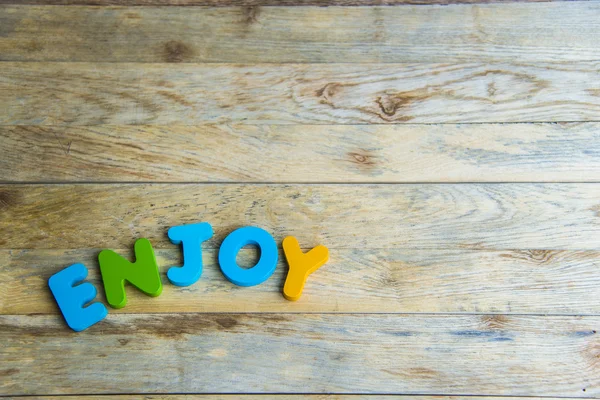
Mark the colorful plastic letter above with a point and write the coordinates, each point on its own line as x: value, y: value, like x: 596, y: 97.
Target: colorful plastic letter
x: 231, y: 246
x: 191, y: 237
x: 301, y: 266
x: 71, y: 299
x: 143, y: 273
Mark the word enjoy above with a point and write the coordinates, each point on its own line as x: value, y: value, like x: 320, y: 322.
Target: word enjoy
x: 144, y: 274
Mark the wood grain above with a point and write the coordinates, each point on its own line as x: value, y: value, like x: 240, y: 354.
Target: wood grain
x: 282, y: 397
x: 304, y: 353
x: 369, y: 280
x: 476, y: 216
x: 527, y: 32
x: 158, y: 94
x: 302, y: 153
x: 261, y: 3
x: 446, y: 154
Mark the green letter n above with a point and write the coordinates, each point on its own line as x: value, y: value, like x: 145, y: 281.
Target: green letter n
x: 143, y: 273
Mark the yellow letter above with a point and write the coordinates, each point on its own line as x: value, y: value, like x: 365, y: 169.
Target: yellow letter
x: 301, y: 266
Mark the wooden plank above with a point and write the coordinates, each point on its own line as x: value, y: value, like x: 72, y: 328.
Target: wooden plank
x: 303, y: 353
x: 283, y: 397
x: 477, y: 216
x: 528, y: 32
x: 302, y: 153
x: 370, y: 280
x: 262, y: 3
x: 158, y: 94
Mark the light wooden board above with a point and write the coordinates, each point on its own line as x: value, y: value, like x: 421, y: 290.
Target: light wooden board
x: 283, y: 353
x: 419, y: 143
x: 158, y: 94
x: 527, y: 32
x: 284, y: 397
x: 260, y: 3
x: 302, y: 153
x: 477, y: 216
x: 370, y: 280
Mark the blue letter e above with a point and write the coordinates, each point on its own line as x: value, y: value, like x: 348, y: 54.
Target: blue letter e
x: 71, y: 299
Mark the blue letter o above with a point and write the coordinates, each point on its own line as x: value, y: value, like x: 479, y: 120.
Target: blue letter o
x: 231, y: 246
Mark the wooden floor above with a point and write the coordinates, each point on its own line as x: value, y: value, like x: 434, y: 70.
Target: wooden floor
x: 447, y: 154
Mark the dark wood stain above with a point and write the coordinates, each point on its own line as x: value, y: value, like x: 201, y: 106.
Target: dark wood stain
x: 423, y: 372
x: 132, y: 15
x: 329, y: 90
x: 167, y: 326
x: 396, y: 106
x: 227, y: 322
x: 250, y: 14
x: 175, y: 52
x: 534, y: 256
x: 173, y: 326
x: 279, y: 325
x: 9, y: 198
x: 494, y: 321
x: 363, y: 159
x: 175, y: 97
x: 133, y: 146
x: 389, y: 105
x: 9, y: 372
x: 33, y: 46
x: 164, y: 83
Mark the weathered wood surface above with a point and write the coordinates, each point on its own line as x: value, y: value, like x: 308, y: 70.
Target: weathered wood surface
x: 282, y: 397
x: 436, y: 216
x: 370, y: 280
x: 304, y: 353
x: 261, y: 3
x: 473, y: 289
x: 534, y: 32
x: 302, y: 153
x: 158, y: 94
